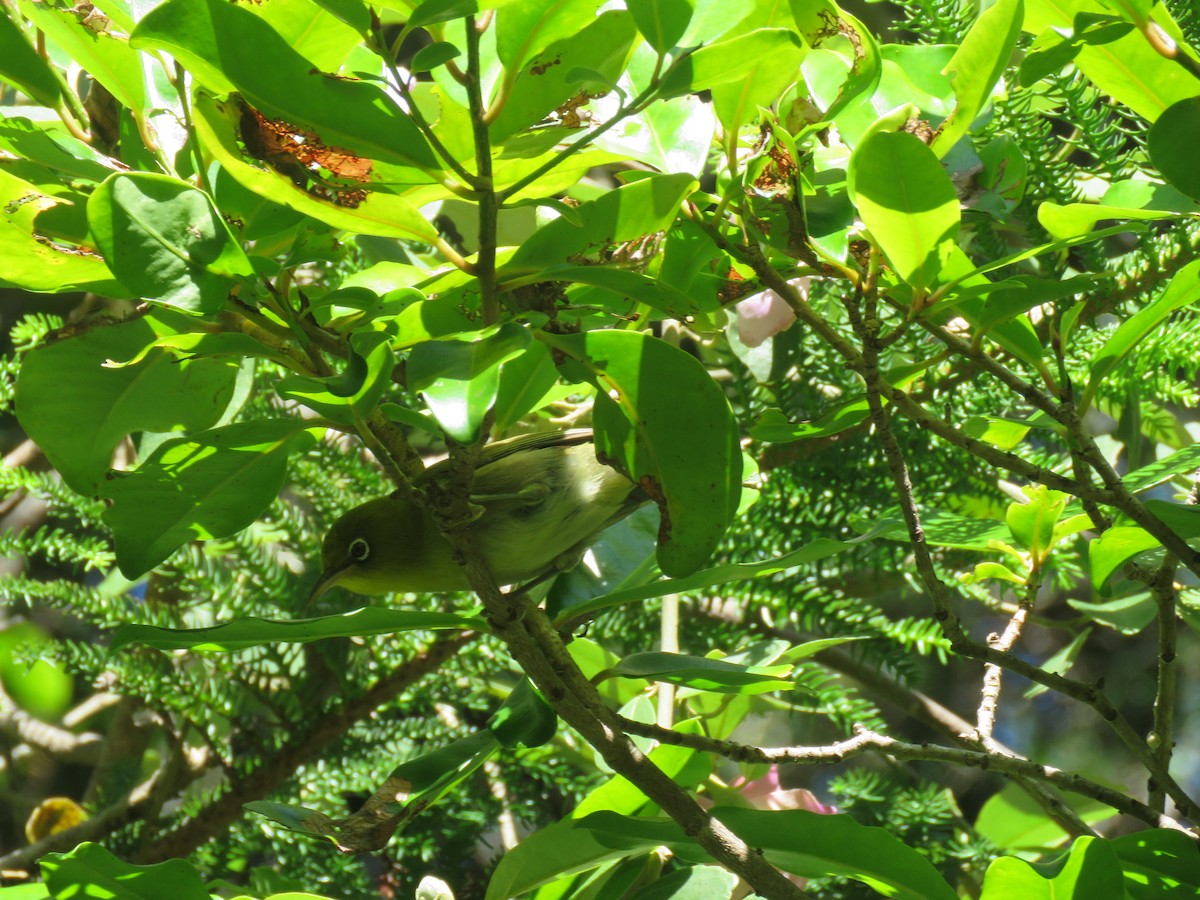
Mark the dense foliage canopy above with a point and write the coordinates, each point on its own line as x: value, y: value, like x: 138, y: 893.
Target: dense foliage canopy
x: 891, y: 312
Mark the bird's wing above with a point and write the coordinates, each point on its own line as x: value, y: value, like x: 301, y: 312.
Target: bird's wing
x: 498, y: 450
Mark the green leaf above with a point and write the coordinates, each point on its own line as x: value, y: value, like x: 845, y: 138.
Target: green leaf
x: 1163, y: 470
x: 1073, y: 221
x: 351, y: 396
x: 317, y: 31
x: 525, y: 718
x: 36, y: 261
x: 733, y: 60
x: 667, y: 424
x: 818, y: 549
x: 77, y: 410
x: 661, y: 22
x: 691, y: 883
x: 977, y: 66
x: 1091, y: 870
x: 1116, y: 547
x: 22, y: 67
x: 907, y: 201
x: 1183, y: 290
x: 91, y: 871
x: 560, y: 849
x: 108, y: 59
x: 1159, y: 862
x: 703, y: 674
x: 378, y: 213
x: 460, y: 380
x: 946, y: 529
x: 1032, y: 523
x: 525, y: 29
x: 227, y: 47
x: 1128, y: 615
x: 545, y: 80
x: 297, y: 819
x: 525, y: 381
x: 1014, y: 821
x: 997, y: 431
x: 433, y: 775
x: 1172, y: 144
x: 433, y: 55
x: 431, y: 12
x: 210, y: 485
x: 805, y: 843
x: 1128, y: 69
x: 166, y: 241
x: 643, y: 207
x: 251, y: 631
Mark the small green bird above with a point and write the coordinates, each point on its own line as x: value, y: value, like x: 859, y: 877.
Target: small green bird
x: 544, y: 498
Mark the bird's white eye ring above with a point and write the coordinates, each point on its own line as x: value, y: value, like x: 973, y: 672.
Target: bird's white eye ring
x: 359, y: 549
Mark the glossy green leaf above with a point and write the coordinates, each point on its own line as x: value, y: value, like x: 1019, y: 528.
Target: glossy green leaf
x: 228, y: 47
x: 805, y: 843
x: 250, y: 631
x: 1158, y: 863
x: 654, y: 293
x: 1183, y: 290
x: 643, y: 207
x: 733, y: 60
x: 431, y: 12
x: 210, y: 485
x: 842, y: 86
x: 993, y: 571
x: 1092, y: 869
x: 378, y: 213
x: 997, y: 431
x: 1073, y: 221
x: 37, y: 262
x: 1172, y: 145
x: 1156, y: 473
x: 108, y: 59
x: 77, y: 409
x: 545, y: 80
x: 907, y: 201
x: 314, y: 30
x: 977, y: 66
x: 1116, y: 547
x: 525, y: 380
x: 691, y: 883
x: 946, y: 529
x: 661, y: 22
x: 685, y: 454
x: 818, y: 549
x: 91, y: 871
x: 166, y: 241
x: 351, y: 396
x: 703, y: 674
x: 433, y: 55
x: 525, y: 29
x: 1032, y: 523
x: 21, y: 66
x: 1014, y: 821
x: 297, y: 819
x: 460, y: 380
x: 524, y: 719
x: 1128, y: 69
x: 738, y: 101
x: 433, y: 775
x: 1128, y: 615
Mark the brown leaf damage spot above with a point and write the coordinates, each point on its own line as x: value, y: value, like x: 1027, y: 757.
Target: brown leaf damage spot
x: 303, y: 157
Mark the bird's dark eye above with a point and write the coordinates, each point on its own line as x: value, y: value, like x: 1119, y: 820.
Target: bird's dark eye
x: 359, y: 549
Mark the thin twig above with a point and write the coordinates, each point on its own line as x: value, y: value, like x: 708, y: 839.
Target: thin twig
x: 867, y: 741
